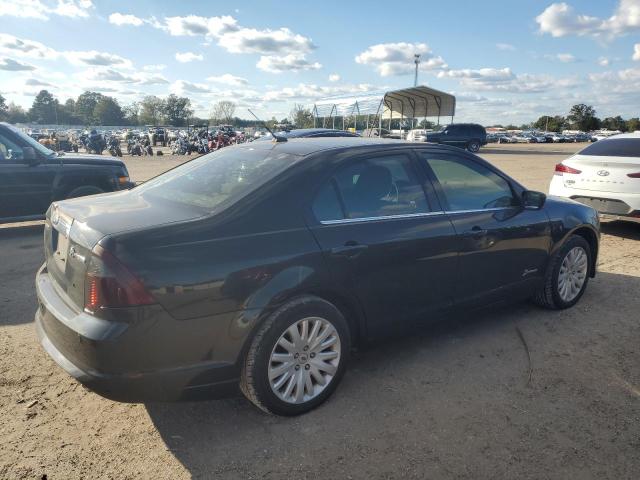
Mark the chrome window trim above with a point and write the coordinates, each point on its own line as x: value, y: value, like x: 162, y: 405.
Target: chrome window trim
x: 383, y: 217
x: 410, y: 215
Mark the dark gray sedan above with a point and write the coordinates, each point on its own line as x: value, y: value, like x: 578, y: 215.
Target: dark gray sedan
x: 261, y: 265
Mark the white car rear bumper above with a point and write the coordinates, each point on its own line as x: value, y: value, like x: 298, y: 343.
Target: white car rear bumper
x: 608, y: 204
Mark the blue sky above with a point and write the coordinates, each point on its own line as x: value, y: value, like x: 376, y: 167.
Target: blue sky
x: 506, y: 61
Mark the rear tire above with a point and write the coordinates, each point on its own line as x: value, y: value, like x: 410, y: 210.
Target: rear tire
x: 259, y: 380
x: 551, y: 295
x: 473, y: 146
x: 84, y: 191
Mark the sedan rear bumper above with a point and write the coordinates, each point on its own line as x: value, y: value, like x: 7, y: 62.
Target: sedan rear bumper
x: 114, y: 359
x: 609, y: 204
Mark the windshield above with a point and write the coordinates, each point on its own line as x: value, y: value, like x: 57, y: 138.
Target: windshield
x: 220, y: 177
x: 31, y: 142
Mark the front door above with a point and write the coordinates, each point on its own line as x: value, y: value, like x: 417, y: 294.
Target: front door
x: 25, y: 188
x: 503, y: 245
x: 385, y: 241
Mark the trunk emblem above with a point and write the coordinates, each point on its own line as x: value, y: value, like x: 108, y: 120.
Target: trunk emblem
x: 603, y: 173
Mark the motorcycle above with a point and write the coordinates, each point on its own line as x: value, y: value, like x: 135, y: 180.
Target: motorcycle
x: 95, y: 143
x: 114, y: 146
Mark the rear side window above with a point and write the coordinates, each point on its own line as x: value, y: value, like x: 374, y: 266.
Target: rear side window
x: 9, y: 150
x: 219, y: 177
x: 614, y: 147
x: 467, y: 185
x: 376, y: 187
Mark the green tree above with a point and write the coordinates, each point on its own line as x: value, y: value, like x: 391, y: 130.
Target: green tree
x: 131, y: 113
x: 301, y: 117
x: 177, y: 110
x: 551, y: 124
x: 633, y: 124
x: 44, y: 108
x: 16, y: 114
x: 222, y: 112
x: 615, y: 123
x: 151, y: 110
x: 4, y: 108
x: 85, y: 106
x: 67, y: 113
x: 426, y: 124
x: 108, y: 112
x: 583, y: 117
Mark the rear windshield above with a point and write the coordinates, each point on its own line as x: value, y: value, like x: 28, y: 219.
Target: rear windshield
x: 614, y: 147
x: 219, y: 178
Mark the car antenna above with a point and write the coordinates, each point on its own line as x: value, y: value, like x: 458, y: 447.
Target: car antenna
x: 276, y: 138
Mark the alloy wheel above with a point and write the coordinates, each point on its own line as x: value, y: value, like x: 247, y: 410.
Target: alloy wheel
x: 572, y: 274
x: 304, y: 360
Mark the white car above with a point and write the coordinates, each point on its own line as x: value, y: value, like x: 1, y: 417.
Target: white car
x: 417, y: 135
x: 604, y: 175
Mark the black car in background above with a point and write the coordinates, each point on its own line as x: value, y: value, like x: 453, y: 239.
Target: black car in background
x: 469, y: 136
x: 32, y: 176
x: 261, y: 265
x: 310, y: 133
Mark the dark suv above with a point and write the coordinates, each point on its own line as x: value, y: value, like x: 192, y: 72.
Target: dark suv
x: 463, y: 135
x: 32, y: 176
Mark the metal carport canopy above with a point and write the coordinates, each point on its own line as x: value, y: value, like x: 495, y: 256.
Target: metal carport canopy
x: 414, y: 102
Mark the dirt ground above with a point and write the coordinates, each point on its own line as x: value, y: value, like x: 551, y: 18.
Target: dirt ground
x: 451, y: 401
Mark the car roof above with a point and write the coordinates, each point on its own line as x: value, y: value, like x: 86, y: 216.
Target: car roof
x: 308, y: 146
x: 635, y: 134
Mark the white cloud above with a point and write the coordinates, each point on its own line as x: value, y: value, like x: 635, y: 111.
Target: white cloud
x: 154, y: 68
x: 193, y: 25
x: 73, y: 8
x: 562, y: 57
x: 604, y: 62
x: 334, y: 77
x: 34, y: 82
x: 398, y: 58
x: 125, y: 19
x: 505, y: 46
x: 228, y: 79
x: 107, y: 74
x: 306, y: 92
x: 93, y: 57
x: 25, y: 48
x: 182, y: 87
x: 186, y: 57
x: 623, y: 81
x: 561, y: 19
x: 42, y: 11
x: 11, y: 65
x: 504, y: 80
x: 265, y: 42
x: 286, y: 63
x: 636, y: 52
x: 23, y: 9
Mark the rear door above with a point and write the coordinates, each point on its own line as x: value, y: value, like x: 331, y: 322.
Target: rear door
x: 385, y: 240
x: 503, y: 245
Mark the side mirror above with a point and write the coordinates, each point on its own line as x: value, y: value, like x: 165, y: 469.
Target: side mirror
x: 533, y: 200
x: 29, y: 155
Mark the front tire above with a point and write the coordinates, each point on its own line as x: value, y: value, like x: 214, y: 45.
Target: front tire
x: 297, y: 357
x: 567, y: 275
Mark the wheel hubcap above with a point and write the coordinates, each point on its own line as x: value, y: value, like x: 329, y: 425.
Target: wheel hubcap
x: 573, y: 274
x: 304, y: 360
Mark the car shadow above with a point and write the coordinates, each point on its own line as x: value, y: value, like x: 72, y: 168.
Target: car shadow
x: 22, y: 255
x: 619, y: 228
x: 533, y: 151
x: 412, y: 385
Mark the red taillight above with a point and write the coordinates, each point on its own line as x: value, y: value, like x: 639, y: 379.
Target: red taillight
x: 110, y: 284
x: 561, y: 169
x: 634, y: 175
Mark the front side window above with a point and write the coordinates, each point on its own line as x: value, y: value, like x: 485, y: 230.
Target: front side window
x: 9, y: 150
x: 375, y: 187
x: 467, y: 185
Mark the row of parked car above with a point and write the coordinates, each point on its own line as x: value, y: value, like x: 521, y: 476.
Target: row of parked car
x: 545, y: 137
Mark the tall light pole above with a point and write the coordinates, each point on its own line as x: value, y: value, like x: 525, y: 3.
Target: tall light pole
x: 417, y: 62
